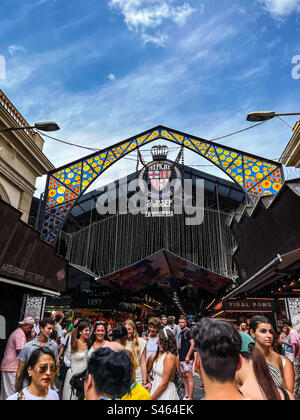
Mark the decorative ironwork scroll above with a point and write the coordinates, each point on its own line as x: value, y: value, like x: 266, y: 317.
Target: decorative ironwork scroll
x: 255, y: 175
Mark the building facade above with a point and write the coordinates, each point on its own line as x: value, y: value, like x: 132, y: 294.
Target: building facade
x: 291, y: 154
x: 21, y: 159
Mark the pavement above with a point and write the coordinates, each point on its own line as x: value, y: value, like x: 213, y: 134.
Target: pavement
x: 198, y: 392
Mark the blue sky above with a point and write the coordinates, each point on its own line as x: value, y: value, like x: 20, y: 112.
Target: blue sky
x: 106, y: 70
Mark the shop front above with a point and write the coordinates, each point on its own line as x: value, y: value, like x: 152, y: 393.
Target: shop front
x: 30, y: 271
x: 241, y: 310
x: 268, y: 291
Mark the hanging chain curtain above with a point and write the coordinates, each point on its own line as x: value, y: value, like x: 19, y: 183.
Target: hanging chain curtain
x: 122, y: 240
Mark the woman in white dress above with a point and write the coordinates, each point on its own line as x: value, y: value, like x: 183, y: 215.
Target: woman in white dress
x: 79, y: 339
x: 164, y: 366
x: 138, y: 347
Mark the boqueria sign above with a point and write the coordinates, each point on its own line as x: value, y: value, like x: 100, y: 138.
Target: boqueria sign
x: 249, y: 305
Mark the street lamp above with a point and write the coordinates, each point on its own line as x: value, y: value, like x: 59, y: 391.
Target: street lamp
x: 265, y: 115
x: 42, y: 126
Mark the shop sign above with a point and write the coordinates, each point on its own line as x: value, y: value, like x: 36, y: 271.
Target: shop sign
x: 25, y: 257
x: 247, y: 305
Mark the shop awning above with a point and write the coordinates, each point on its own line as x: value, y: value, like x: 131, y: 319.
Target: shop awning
x: 167, y: 276
x: 78, y: 274
x: 25, y: 258
x: 47, y: 292
x: 283, y: 271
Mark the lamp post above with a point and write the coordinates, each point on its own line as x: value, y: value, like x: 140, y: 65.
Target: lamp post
x: 42, y: 126
x: 266, y: 115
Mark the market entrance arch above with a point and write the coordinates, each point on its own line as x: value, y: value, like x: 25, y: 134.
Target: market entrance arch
x: 257, y: 176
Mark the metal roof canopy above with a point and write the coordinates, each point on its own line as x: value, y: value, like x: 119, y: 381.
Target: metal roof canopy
x: 275, y: 270
x: 166, y: 273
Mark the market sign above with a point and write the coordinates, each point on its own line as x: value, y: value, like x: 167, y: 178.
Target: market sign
x: 249, y: 305
x: 158, y: 175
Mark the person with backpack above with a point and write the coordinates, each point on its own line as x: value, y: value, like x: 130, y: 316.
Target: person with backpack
x: 186, y: 357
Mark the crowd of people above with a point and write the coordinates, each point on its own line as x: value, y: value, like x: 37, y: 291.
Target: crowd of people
x: 51, y: 359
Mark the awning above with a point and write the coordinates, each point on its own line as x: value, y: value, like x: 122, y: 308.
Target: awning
x: 278, y: 269
x: 29, y: 286
x: 168, y: 277
x: 25, y: 258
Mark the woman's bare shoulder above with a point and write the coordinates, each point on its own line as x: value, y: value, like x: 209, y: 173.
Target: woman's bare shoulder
x: 170, y: 356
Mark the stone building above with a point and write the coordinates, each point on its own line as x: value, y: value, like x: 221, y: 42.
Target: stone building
x: 21, y: 159
x: 291, y: 154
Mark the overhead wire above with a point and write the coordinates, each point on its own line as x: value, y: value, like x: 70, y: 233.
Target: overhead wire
x: 170, y: 149
x: 96, y: 149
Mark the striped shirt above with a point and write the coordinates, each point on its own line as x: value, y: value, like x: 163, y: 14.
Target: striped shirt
x: 276, y: 374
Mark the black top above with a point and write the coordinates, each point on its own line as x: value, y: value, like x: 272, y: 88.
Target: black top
x: 184, y: 344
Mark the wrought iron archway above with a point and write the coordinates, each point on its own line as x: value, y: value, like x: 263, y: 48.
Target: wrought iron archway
x: 257, y: 176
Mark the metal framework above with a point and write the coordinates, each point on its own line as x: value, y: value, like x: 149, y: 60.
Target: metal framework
x: 65, y: 185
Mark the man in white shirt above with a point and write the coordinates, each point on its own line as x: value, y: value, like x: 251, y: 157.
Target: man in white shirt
x: 36, y: 325
x: 58, y: 328
x: 170, y: 324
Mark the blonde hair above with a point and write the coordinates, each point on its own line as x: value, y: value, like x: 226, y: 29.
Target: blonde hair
x: 133, y: 361
x: 135, y: 338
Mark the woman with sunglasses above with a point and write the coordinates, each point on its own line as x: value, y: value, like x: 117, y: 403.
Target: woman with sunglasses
x: 39, y: 371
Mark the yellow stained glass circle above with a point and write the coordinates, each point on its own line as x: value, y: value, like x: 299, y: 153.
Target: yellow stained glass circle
x: 61, y: 190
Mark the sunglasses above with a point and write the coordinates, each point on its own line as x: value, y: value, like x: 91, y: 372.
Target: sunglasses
x: 44, y: 368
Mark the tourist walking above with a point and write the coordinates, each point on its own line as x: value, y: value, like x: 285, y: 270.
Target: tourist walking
x: 286, y: 344
x: 163, y: 366
x: 262, y: 332
x: 137, y: 391
x: 186, y: 357
x: 9, y: 365
x: 254, y: 376
x: 42, y: 340
x: 138, y: 346
x: 108, y: 375
x: 36, y: 325
x: 170, y: 324
x: 218, y: 344
x: 99, y: 339
x: 295, y: 341
x: 58, y: 328
x: 163, y: 322
x: 79, y: 347
x: 39, y: 372
x: 152, y: 337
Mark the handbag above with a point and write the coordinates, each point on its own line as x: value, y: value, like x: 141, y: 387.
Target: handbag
x: 77, y: 384
x: 179, y: 385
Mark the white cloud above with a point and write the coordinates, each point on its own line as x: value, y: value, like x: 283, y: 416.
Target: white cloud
x: 158, y: 39
x: 16, y: 48
x: 145, y: 15
x: 255, y: 72
x: 112, y: 77
x: 281, y: 8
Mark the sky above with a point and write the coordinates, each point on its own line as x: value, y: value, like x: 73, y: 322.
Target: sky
x: 106, y: 70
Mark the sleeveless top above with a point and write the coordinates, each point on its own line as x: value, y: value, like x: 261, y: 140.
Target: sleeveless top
x: 78, y: 362
x: 275, y: 373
